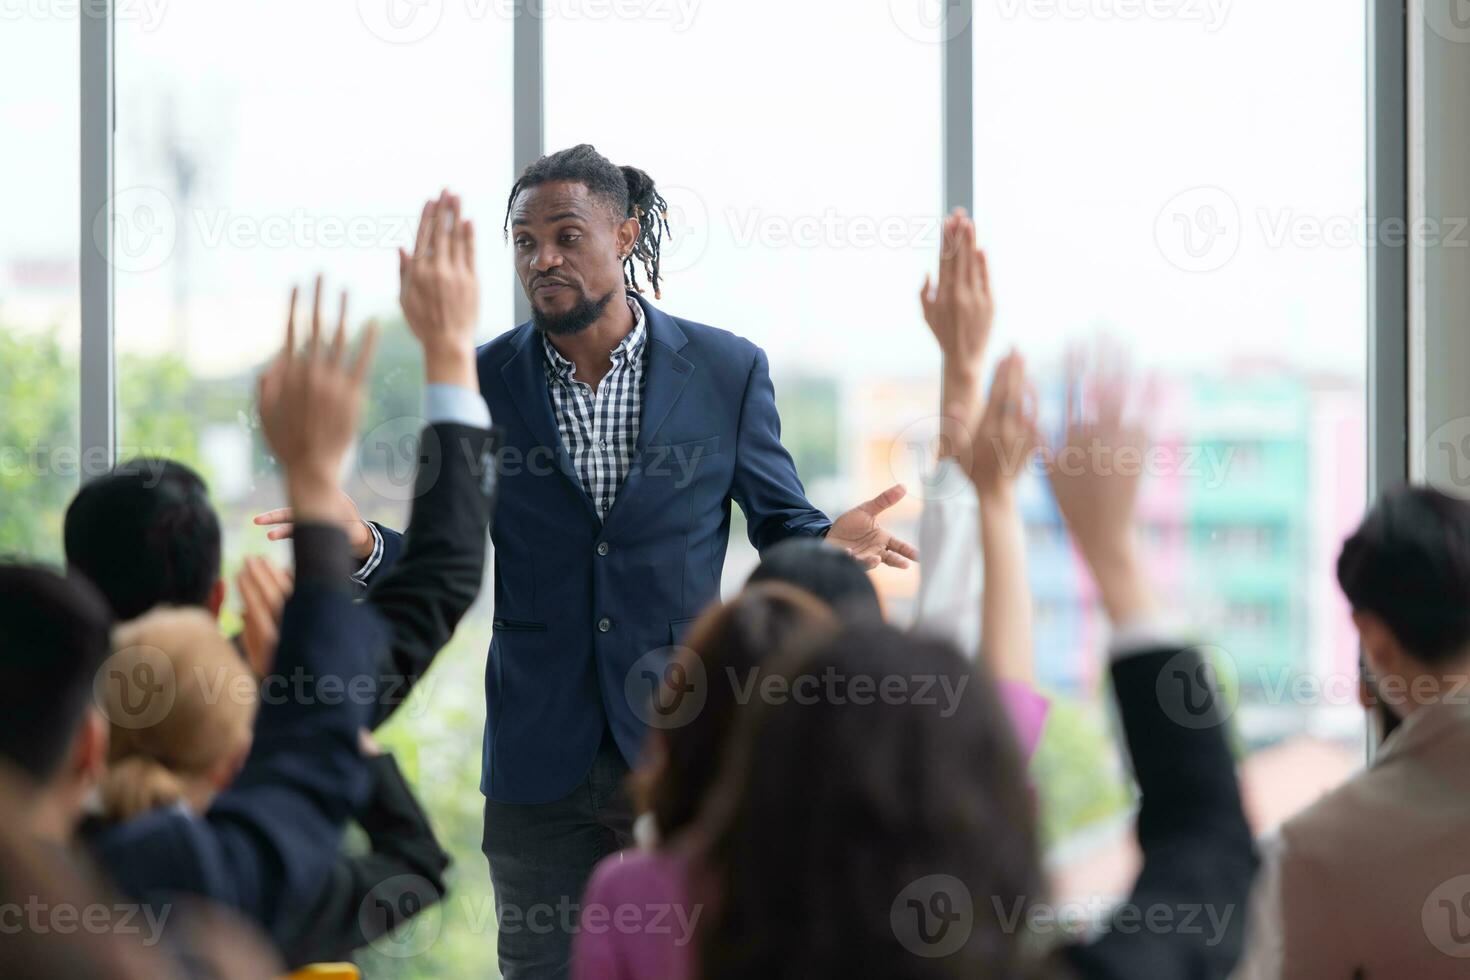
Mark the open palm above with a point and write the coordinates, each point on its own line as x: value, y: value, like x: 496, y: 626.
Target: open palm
x: 860, y: 534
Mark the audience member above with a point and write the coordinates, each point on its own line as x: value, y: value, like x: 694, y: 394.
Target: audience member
x: 268, y: 840
x: 726, y: 653
x: 1365, y: 883
x: 835, y: 860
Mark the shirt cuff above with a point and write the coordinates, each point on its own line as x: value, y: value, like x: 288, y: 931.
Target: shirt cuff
x: 362, y: 575
x: 1148, y: 632
x: 451, y: 403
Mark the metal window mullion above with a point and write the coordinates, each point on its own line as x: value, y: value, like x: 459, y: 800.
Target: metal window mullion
x: 96, y: 375
x: 529, y: 107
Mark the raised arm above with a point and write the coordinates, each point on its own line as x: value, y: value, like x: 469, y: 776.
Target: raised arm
x: 425, y: 593
x: 1198, y: 858
x: 268, y: 841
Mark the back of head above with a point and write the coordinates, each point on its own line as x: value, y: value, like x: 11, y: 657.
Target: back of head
x: 1409, y: 564
x: 730, y: 642
x: 824, y: 570
x: 53, y: 640
x: 890, y: 765
x: 146, y: 535
x: 181, y: 702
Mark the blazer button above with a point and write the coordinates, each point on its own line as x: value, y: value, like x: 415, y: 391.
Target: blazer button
x: 602, y: 548
x: 604, y: 624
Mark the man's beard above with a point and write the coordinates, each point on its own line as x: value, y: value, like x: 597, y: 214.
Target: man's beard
x: 573, y: 321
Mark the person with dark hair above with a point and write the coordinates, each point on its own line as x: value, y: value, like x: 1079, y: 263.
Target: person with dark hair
x: 1363, y: 882
x: 828, y: 573
x: 853, y: 836
x: 266, y: 841
x: 728, y: 649
x: 146, y: 534
x: 629, y: 433
x: 54, y: 638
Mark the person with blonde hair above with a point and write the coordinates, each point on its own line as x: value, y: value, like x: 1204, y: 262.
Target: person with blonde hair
x: 190, y: 751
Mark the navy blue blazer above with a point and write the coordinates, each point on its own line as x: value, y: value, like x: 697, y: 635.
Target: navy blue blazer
x: 578, y: 601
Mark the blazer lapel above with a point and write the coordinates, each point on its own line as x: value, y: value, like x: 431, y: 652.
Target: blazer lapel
x: 666, y: 375
x: 524, y: 375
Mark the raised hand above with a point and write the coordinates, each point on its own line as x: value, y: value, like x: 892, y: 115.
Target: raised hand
x: 263, y: 591
x: 1095, y: 475
x: 310, y: 402
x: 860, y: 534
x: 440, y: 293
x: 1006, y: 434
x: 960, y: 311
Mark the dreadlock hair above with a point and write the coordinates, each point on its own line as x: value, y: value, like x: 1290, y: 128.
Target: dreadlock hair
x: 630, y: 191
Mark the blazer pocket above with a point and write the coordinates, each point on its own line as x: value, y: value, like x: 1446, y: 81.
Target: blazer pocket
x: 517, y: 625
x: 678, y: 629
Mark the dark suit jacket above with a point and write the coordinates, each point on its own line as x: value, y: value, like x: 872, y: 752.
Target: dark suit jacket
x: 272, y: 837
x: 438, y: 566
x: 369, y: 895
x: 1198, y: 856
x: 586, y: 611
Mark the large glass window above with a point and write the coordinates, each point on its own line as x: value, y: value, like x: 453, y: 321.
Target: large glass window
x: 39, y: 312
x: 255, y: 148
x: 1178, y: 177
x: 802, y: 167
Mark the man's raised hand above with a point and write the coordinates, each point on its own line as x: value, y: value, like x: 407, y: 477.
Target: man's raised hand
x: 310, y: 401
x: 960, y: 311
x: 440, y: 294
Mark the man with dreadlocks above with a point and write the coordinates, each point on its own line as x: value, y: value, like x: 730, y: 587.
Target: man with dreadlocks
x: 627, y: 433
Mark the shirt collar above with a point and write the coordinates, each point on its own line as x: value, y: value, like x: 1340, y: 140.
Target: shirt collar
x: 1428, y: 725
x: 627, y: 348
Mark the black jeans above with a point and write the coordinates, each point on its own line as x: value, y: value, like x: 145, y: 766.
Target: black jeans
x: 542, y: 854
